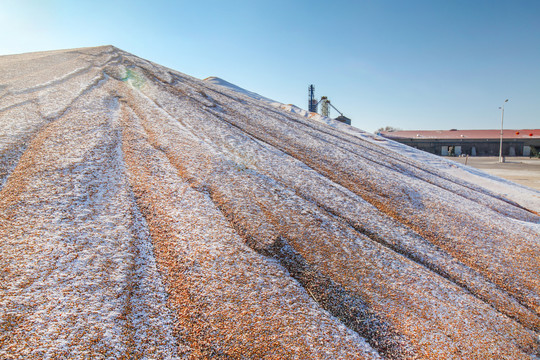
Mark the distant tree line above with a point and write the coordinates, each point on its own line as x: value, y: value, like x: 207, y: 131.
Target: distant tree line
x: 387, y: 129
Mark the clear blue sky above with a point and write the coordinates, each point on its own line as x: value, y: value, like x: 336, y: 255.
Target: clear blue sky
x: 434, y: 64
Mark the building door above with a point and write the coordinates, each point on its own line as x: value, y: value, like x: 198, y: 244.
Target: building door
x: 444, y: 150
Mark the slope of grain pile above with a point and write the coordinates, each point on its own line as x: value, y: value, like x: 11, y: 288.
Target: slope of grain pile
x: 148, y: 214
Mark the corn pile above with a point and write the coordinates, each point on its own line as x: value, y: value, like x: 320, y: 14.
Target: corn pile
x: 145, y: 214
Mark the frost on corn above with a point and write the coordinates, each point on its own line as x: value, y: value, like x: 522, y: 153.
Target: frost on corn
x: 76, y: 256
x: 229, y: 300
x: 262, y: 222
x: 230, y: 186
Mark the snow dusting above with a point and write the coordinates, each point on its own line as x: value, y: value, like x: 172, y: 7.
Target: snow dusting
x: 146, y: 214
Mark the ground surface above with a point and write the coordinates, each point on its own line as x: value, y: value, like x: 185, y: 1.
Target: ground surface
x: 147, y: 214
x: 524, y: 171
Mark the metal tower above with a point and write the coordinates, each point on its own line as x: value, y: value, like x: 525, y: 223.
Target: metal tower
x: 312, y: 102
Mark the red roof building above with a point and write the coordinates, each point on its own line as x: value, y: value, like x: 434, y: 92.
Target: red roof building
x: 522, y: 142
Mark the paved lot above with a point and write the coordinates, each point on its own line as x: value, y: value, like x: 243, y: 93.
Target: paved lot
x: 520, y: 170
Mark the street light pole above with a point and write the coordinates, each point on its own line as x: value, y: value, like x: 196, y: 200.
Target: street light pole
x: 502, y: 120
